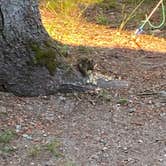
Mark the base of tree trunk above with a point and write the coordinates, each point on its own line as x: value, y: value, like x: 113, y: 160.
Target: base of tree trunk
x: 30, y: 64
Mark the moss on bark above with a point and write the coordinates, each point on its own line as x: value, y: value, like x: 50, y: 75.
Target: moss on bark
x: 45, y: 56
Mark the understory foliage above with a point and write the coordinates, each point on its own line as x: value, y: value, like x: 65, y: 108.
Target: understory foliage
x: 68, y: 7
x: 76, y: 9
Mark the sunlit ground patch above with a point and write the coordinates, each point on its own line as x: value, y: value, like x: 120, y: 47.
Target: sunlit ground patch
x: 77, y: 31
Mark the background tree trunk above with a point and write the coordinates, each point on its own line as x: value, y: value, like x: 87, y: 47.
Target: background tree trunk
x: 26, y: 53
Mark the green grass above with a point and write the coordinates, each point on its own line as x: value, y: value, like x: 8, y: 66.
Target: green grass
x: 7, y: 149
x: 34, y: 151
x: 102, y: 19
x: 64, y: 50
x: 69, y: 163
x: 127, y: 17
x: 105, y: 95
x: 67, y: 7
x: 6, y: 136
x: 122, y: 101
x: 108, y: 4
x: 52, y: 147
x: 131, y: 10
x: 136, y: 1
x: 4, y: 114
x: 84, y: 49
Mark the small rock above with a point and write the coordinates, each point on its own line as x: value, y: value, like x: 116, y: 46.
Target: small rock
x: 102, y: 83
x: 26, y: 136
x: 160, y: 160
x: 131, y: 110
x: 50, y: 117
x: 105, y: 148
x: 140, y: 141
x: 156, y: 31
x: 3, y: 109
x: 163, y: 114
x: 125, y: 150
x: 29, y: 108
x: 150, y: 102
x: 44, y: 135
x: 26, y: 146
x: 95, y: 156
x: 162, y: 93
x: 61, y: 98
x: 18, y: 128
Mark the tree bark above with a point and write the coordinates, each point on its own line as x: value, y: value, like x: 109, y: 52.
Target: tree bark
x: 29, y: 62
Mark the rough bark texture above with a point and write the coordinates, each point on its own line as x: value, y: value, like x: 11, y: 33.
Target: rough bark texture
x: 21, y: 38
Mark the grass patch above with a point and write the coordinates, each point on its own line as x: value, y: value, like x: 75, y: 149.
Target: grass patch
x: 84, y: 49
x: 7, y: 136
x: 52, y: 147
x: 34, y: 151
x: 102, y: 19
x: 122, y: 101
x: 105, y: 95
x: 63, y: 49
x: 68, y: 7
x: 4, y: 114
x: 145, y: 1
x: 126, y: 18
x: 108, y: 4
x: 7, y: 149
x: 69, y: 163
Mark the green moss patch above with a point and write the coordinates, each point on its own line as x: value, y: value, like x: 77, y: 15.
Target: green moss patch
x: 45, y: 56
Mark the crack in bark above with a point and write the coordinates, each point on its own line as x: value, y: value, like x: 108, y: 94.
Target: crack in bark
x: 2, y: 24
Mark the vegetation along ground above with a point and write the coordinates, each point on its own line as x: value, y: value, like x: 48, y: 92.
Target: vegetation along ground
x: 119, y: 126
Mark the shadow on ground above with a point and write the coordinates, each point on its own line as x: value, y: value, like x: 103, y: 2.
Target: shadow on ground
x: 110, y: 127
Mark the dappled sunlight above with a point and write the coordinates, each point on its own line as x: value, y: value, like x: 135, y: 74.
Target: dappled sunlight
x: 77, y: 31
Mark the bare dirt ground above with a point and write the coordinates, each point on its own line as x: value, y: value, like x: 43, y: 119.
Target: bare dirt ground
x: 112, y: 127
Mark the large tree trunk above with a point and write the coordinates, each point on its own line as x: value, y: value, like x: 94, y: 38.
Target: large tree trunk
x: 29, y: 63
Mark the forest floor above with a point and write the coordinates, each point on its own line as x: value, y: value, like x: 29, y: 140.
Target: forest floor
x: 112, y: 127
